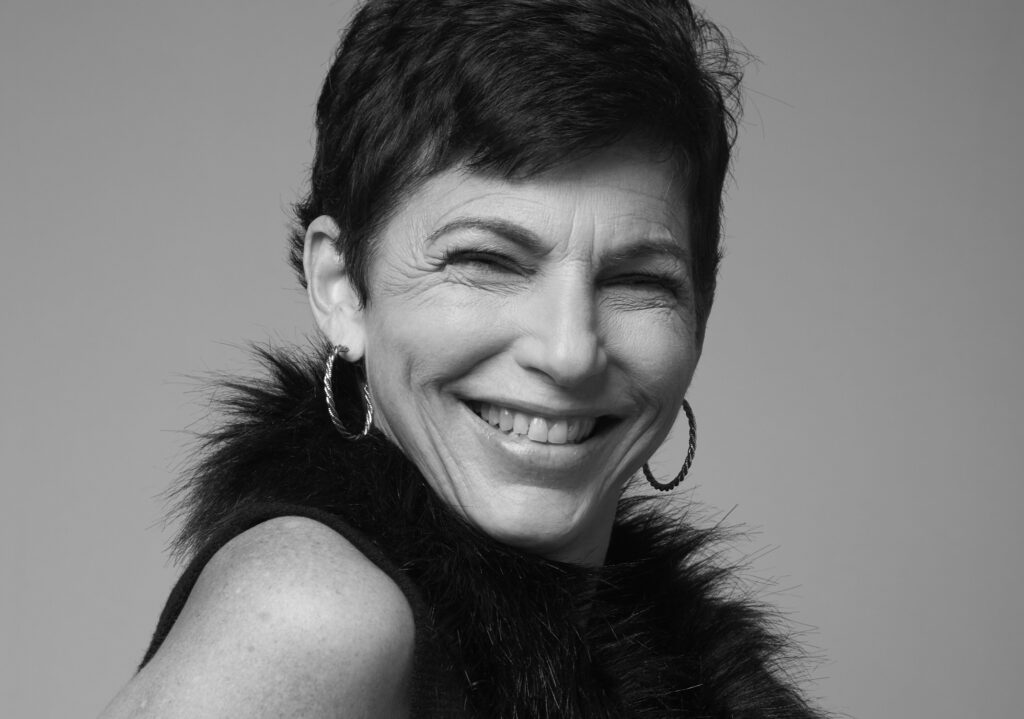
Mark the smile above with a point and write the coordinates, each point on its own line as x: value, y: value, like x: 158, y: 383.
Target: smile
x: 544, y: 430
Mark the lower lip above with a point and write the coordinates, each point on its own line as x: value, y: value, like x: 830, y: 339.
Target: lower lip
x: 534, y: 455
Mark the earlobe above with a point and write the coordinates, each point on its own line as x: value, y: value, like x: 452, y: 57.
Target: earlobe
x: 333, y: 297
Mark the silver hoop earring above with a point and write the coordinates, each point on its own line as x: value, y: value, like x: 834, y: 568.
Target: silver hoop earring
x: 686, y: 462
x: 336, y: 351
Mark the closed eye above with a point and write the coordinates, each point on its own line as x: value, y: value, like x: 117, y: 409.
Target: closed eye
x: 484, y: 259
x: 642, y: 281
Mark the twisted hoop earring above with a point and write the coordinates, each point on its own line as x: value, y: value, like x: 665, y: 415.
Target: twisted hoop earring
x: 686, y: 462
x: 332, y: 410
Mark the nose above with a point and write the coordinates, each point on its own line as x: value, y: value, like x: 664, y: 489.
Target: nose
x: 561, y: 337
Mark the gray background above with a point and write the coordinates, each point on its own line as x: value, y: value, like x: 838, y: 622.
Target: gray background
x: 859, y: 398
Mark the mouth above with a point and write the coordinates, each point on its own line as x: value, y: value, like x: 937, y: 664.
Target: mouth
x: 537, y: 428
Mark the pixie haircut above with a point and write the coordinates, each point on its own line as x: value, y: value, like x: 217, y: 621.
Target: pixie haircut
x: 515, y: 88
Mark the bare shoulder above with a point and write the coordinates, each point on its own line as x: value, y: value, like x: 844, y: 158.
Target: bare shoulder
x: 288, y: 618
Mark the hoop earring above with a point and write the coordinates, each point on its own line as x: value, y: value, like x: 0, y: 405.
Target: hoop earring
x: 332, y: 410
x: 686, y: 462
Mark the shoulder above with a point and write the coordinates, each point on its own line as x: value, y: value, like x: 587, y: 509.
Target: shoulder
x: 297, y: 574
x: 303, y: 564
x: 286, y: 618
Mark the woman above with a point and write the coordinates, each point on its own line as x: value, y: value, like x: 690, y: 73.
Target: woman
x: 510, y: 245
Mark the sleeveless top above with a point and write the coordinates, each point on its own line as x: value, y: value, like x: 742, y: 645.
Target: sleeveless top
x: 658, y: 631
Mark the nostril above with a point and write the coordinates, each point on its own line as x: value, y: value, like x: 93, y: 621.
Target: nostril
x: 566, y: 361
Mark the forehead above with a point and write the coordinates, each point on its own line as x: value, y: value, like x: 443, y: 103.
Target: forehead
x: 621, y: 190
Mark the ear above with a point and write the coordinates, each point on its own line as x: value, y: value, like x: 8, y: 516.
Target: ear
x: 332, y: 295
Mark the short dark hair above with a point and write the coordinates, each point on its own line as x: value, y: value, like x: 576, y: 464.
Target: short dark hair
x: 517, y: 87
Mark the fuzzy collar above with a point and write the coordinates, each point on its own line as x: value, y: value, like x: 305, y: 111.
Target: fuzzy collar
x: 656, y: 632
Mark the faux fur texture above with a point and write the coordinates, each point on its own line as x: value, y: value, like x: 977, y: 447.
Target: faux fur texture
x: 656, y: 632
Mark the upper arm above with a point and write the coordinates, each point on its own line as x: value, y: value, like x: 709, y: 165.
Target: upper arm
x: 287, y: 619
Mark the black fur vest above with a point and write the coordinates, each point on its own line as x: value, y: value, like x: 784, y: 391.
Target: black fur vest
x: 655, y: 633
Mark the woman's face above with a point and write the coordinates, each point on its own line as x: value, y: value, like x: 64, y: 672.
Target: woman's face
x: 528, y: 344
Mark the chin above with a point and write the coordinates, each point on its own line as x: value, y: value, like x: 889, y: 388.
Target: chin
x: 544, y: 526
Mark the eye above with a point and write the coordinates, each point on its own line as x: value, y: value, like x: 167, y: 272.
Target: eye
x: 487, y: 260
x: 649, y: 283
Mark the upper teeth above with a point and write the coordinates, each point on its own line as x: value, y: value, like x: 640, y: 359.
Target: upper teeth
x: 559, y: 430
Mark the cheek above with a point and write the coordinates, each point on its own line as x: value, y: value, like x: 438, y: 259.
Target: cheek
x: 658, y: 352
x: 431, y: 335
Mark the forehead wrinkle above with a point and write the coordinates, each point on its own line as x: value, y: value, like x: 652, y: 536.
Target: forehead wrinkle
x: 505, y: 197
x: 665, y: 226
x: 649, y: 212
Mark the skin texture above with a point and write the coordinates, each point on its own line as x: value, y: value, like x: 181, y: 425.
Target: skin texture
x: 568, y: 294
x: 287, y: 620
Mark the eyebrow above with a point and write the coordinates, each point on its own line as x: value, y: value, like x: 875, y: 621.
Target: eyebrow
x: 518, y: 235
x: 502, y: 228
x: 661, y: 247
